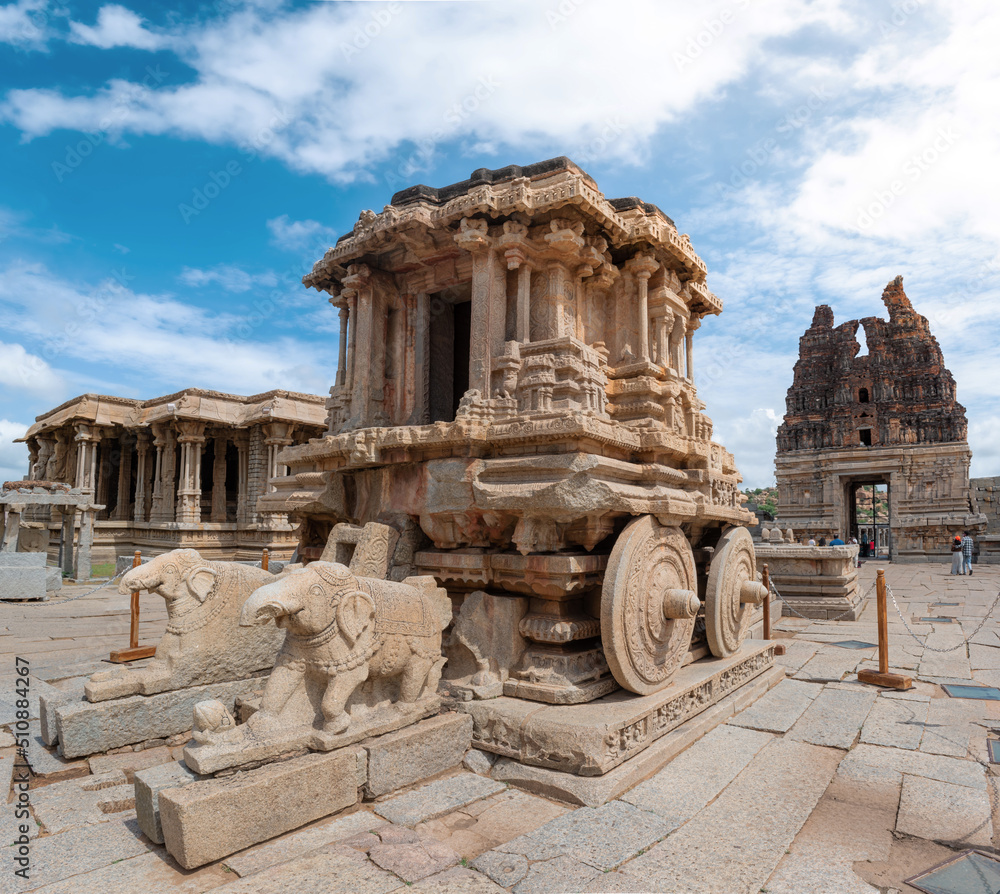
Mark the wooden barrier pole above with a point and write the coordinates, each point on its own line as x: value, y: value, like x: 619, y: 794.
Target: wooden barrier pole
x: 264, y: 560
x: 882, y: 677
x: 765, y: 579
x: 134, y: 651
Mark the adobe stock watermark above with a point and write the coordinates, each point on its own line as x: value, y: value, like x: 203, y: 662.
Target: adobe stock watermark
x: 913, y: 169
x: 712, y: 29
x: 125, y: 103
x: 218, y: 181
x: 454, y: 116
x: 378, y: 21
x: 596, y: 148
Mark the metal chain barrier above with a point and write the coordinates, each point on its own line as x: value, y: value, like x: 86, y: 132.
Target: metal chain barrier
x: 784, y: 602
x: 965, y: 641
x: 81, y: 595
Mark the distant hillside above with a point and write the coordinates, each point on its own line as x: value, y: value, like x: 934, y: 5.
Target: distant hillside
x: 765, y: 497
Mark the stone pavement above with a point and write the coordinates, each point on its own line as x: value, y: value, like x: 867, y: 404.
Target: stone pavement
x: 823, y: 785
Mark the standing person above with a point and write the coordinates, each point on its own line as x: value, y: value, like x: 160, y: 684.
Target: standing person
x: 956, y: 554
x: 967, y: 545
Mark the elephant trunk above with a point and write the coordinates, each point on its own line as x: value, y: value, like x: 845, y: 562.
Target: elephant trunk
x: 138, y: 579
x: 267, y: 603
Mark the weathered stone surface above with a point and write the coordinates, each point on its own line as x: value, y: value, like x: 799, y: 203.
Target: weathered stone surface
x: 778, y: 710
x: 604, y: 837
x: 456, y: 881
x: 46, y: 763
x: 424, y: 749
x: 436, y: 798
x: 480, y: 762
x: 592, y: 739
x: 151, y: 872
x: 834, y: 718
x: 339, y: 829
x: 696, y: 777
x: 212, y: 818
x: 147, y: 786
x: 335, y: 869
x: 896, y: 722
x: 504, y: 869
x: 488, y: 823
x: 873, y: 763
x: 85, y: 801
x: 370, y: 648
x: 88, y: 728
x: 130, y: 762
x: 486, y: 643
x: 555, y: 876
x: 942, y: 811
x: 77, y: 851
x: 22, y: 583
x: 756, y: 817
x: 414, y: 860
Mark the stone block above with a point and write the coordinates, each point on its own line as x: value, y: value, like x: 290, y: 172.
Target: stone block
x: 22, y: 560
x: 437, y: 798
x: 409, y: 755
x: 777, y: 711
x: 130, y: 762
x: 147, y: 786
x: 82, y: 802
x: 53, y: 580
x: 942, y: 811
x: 84, y: 727
x: 213, y: 818
x: 17, y: 582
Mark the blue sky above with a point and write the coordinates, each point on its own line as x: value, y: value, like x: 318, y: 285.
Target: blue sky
x: 170, y: 174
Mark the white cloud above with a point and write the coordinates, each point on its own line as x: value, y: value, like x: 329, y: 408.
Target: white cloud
x: 228, y: 276
x: 24, y: 24
x: 13, y: 457
x: 116, y: 27
x: 143, y: 344
x: 314, y: 87
x: 301, y: 235
x: 21, y: 371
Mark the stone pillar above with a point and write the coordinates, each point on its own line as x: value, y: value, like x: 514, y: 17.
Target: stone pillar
x: 524, y: 303
x: 276, y: 436
x: 358, y: 291
x: 163, y: 489
x: 86, y: 456
x: 489, y: 304
x: 121, y: 512
x: 643, y: 267
x: 141, y: 476
x: 219, y: 480
x: 12, y: 528
x: 345, y: 315
x: 693, y: 324
x: 46, y: 450
x: 677, y: 343
x: 242, y: 441
x: 557, y: 294
x: 84, y: 548
x: 66, y: 537
x: 191, y: 437
x: 664, y: 324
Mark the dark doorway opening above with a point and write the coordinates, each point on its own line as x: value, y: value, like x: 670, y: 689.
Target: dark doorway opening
x: 870, y: 518
x: 865, y: 434
x: 450, y: 335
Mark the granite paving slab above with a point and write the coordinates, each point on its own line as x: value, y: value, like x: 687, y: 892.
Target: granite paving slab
x: 77, y: 851
x: 9, y: 698
x: 603, y: 837
x: 46, y: 762
x: 941, y: 811
x: 984, y: 657
x: 879, y: 762
x: 695, y: 777
x: 287, y: 847
x: 412, y: 861
x: 334, y: 869
x: 896, y: 722
x: 834, y: 717
x: 83, y: 801
x: 436, y: 798
x: 797, y: 653
x: 504, y: 869
x: 556, y: 876
x: 778, y: 710
x: 150, y: 873
x: 829, y: 664
x: 456, y: 881
x: 951, y: 724
x: 130, y: 762
x: 744, y: 833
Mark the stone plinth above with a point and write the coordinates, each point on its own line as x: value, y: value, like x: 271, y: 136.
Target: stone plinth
x: 22, y: 575
x: 815, y: 581
x: 592, y: 739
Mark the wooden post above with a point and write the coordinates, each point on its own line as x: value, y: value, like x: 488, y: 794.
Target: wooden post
x: 263, y: 560
x: 133, y: 652
x: 779, y: 648
x: 882, y: 677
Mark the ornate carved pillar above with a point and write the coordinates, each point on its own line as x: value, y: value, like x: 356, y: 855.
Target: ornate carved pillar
x: 558, y: 275
x: 276, y: 436
x: 664, y: 325
x: 523, y: 302
x: 86, y: 456
x: 643, y: 267
x: 219, y: 469
x: 242, y: 441
x: 693, y: 324
x: 191, y: 437
x: 142, y: 476
x: 122, y: 503
x: 488, y: 310
x: 345, y: 315
x: 358, y: 291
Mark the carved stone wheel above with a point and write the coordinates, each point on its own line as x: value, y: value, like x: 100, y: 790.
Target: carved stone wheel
x: 651, y: 575
x: 732, y: 592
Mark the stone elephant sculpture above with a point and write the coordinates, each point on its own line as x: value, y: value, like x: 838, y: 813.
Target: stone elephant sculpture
x: 203, y: 642
x: 343, y: 630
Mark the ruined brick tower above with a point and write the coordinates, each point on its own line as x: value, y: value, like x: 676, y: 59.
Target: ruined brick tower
x: 886, y: 417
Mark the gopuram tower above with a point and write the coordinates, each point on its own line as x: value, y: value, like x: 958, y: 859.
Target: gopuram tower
x: 886, y: 417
